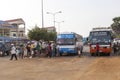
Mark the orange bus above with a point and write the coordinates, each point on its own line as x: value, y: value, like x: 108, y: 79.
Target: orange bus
x: 102, y: 36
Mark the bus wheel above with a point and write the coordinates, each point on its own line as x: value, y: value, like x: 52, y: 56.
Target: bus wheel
x: 60, y: 54
x: 108, y: 54
x: 92, y: 54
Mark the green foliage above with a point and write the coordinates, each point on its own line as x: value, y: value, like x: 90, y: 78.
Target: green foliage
x: 116, y: 19
x: 41, y: 34
x: 52, y: 36
x: 116, y: 26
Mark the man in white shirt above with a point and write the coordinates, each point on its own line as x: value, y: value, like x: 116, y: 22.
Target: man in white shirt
x: 13, y: 52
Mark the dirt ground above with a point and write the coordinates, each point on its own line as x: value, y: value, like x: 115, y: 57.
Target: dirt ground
x: 61, y: 68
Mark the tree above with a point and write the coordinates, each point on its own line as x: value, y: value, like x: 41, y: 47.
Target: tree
x: 52, y: 36
x: 41, y: 34
x: 116, y: 25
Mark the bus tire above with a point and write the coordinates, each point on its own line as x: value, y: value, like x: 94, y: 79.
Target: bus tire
x: 81, y: 51
x: 108, y: 54
x: 60, y: 54
x: 92, y: 54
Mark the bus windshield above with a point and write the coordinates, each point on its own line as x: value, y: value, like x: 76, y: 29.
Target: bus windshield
x: 66, y: 41
x: 103, y: 37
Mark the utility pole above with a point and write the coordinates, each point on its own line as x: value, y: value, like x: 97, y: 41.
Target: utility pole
x: 42, y: 13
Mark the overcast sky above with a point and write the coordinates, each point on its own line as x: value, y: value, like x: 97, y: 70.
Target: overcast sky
x: 79, y: 16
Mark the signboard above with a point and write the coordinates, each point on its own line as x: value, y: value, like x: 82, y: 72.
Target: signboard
x: 99, y: 33
x: 66, y: 36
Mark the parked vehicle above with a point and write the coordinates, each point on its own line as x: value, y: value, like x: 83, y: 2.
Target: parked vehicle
x: 67, y: 43
x: 5, y: 49
x: 104, y: 37
x: 2, y: 49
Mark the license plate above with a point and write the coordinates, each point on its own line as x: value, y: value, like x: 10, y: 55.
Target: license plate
x: 64, y: 52
x: 100, y: 51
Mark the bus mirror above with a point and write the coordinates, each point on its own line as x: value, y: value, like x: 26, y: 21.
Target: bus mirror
x: 87, y: 38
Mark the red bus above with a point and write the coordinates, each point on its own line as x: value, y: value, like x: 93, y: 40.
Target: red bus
x: 102, y: 36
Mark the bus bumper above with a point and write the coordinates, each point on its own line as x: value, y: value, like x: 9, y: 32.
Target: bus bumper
x: 104, y: 50
x: 68, y: 51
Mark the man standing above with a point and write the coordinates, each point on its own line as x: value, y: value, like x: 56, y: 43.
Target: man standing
x: 49, y: 49
x: 38, y: 49
x: 53, y: 46
x: 97, y: 49
x: 13, y: 52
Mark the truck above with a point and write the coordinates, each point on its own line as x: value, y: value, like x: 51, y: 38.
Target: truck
x: 104, y: 37
x: 67, y: 42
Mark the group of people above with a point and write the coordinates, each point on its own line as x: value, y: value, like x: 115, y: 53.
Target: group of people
x: 116, y: 47
x: 33, y: 49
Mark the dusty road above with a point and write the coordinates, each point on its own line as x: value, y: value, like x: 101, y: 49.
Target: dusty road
x: 61, y: 68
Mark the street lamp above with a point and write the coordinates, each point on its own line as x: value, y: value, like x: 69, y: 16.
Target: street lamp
x: 59, y: 25
x: 54, y: 15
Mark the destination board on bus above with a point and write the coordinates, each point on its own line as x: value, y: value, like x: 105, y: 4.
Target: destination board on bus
x: 66, y: 36
x: 99, y: 33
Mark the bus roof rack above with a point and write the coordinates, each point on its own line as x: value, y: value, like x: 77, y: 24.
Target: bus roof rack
x: 101, y: 28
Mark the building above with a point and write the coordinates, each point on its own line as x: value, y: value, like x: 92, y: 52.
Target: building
x: 14, y: 28
x: 19, y: 28
x: 51, y: 29
x: 5, y: 28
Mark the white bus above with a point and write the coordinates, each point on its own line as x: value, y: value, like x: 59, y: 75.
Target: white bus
x: 67, y: 43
